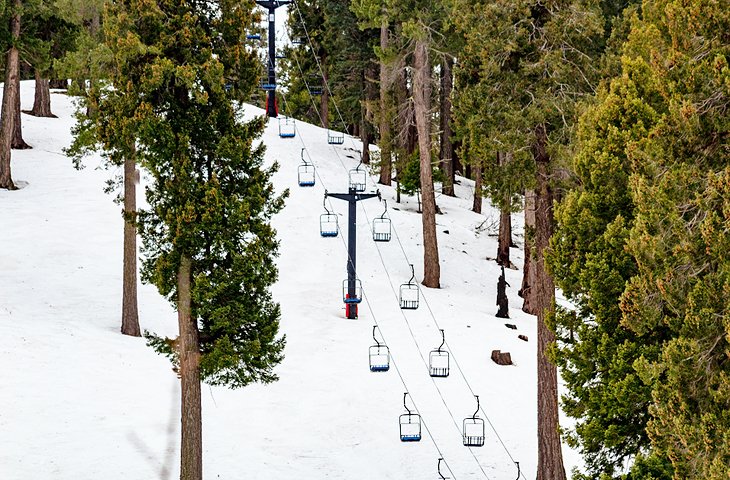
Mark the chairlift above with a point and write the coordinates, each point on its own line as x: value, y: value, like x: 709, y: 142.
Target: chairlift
x: 441, y: 475
x: 409, y: 294
x: 335, y: 138
x: 438, y: 360
x: 410, y: 424
x: 358, y: 178
x: 381, y: 226
x: 314, y: 85
x: 474, y: 429
x: 287, y: 129
x: 298, y: 41
x: 328, y: 226
x: 379, y: 356
x: 253, y: 36
x: 354, y: 298
x: 266, y: 85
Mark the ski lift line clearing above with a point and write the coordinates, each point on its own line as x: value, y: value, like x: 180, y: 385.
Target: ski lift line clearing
x: 409, y: 296
x: 474, y: 429
x: 379, y: 355
x: 410, y: 424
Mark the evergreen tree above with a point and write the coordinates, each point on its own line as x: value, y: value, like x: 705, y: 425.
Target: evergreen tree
x: 206, y: 235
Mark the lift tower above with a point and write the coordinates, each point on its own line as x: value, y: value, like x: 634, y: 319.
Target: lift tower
x: 352, y: 197
x: 271, y: 6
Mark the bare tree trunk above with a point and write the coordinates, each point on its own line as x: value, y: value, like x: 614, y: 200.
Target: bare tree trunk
x: 324, y: 99
x: 366, y: 116
x: 505, y: 226
x: 385, y: 135
x: 18, y: 143
x: 191, y: 447
x: 528, y: 272
x: 130, y: 316
x: 447, y: 146
x: 477, y: 207
x: 422, y: 100
x: 549, y: 454
x: 10, y: 93
x: 42, y: 98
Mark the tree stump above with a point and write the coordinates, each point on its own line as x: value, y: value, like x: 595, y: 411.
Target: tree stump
x: 501, y: 358
x: 502, y: 300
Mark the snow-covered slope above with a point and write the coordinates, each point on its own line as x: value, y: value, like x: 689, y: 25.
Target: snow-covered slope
x: 79, y: 400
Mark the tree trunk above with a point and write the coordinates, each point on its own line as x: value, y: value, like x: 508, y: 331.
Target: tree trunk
x: 60, y: 84
x: 42, y: 99
x: 365, y: 130
x: 549, y: 454
x: 422, y: 100
x: 447, y: 146
x: 324, y: 99
x: 386, y: 140
x: 477, y: 207
x: 505, y: 238
x: 130, y: 317
x: 528, y: 272
x: 10, y: 94
x: 505, y: 226
x: 191, y: 447
x: 18, y: 143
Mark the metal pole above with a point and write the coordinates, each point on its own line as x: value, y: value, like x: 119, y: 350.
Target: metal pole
x: 352, y: 248
x: 271, y: 110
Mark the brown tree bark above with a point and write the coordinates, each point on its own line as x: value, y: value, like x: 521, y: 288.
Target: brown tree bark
x: 422, y: 100
x: 18, y: 143
x: 549, y: 453
x: 11, y: 93
x: 528, y: 272
x: 384, y: 117
x: 447, y: 146
x: 130, y: 316
x: 324, y: 99
x: 477, y: 170
x: 505, y: 226
x: 365, y: 130
x: 42, y: 98
x: 191, y: 447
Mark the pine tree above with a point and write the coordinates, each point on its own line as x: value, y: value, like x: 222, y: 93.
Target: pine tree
x: 206, y: 236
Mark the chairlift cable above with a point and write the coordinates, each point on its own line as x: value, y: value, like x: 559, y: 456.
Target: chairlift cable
x: 370, y: 309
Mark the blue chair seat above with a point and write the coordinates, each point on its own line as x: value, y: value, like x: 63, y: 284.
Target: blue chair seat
x: 352, y: 300
x: 306, y: 184
x: 410, y: 438
x: 286, y: 135
x: 379, y: 368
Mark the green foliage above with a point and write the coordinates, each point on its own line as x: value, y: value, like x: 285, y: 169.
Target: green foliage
x: 210, y: 197
x: 640, y: 248
x: 410, y: 178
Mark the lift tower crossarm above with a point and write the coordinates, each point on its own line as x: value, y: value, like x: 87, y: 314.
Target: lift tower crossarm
x: 352, y: 198
x: 271, y: 6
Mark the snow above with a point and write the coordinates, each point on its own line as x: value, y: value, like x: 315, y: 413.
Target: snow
x: 79, y: 400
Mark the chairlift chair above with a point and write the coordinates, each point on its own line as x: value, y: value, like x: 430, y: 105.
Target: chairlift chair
x: 474, y: 429
x: 335, y: 138
x: 379, y: 355
x: 381, y: 226
x: 409, y: 293
x: 438, y: 360
x: 358, y: 178
x: 306, y: 174
x: 287, y: 129
x: 266, y: 85
x: 356, y: 297
x: 328, y: 226
x: 410, y: 424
